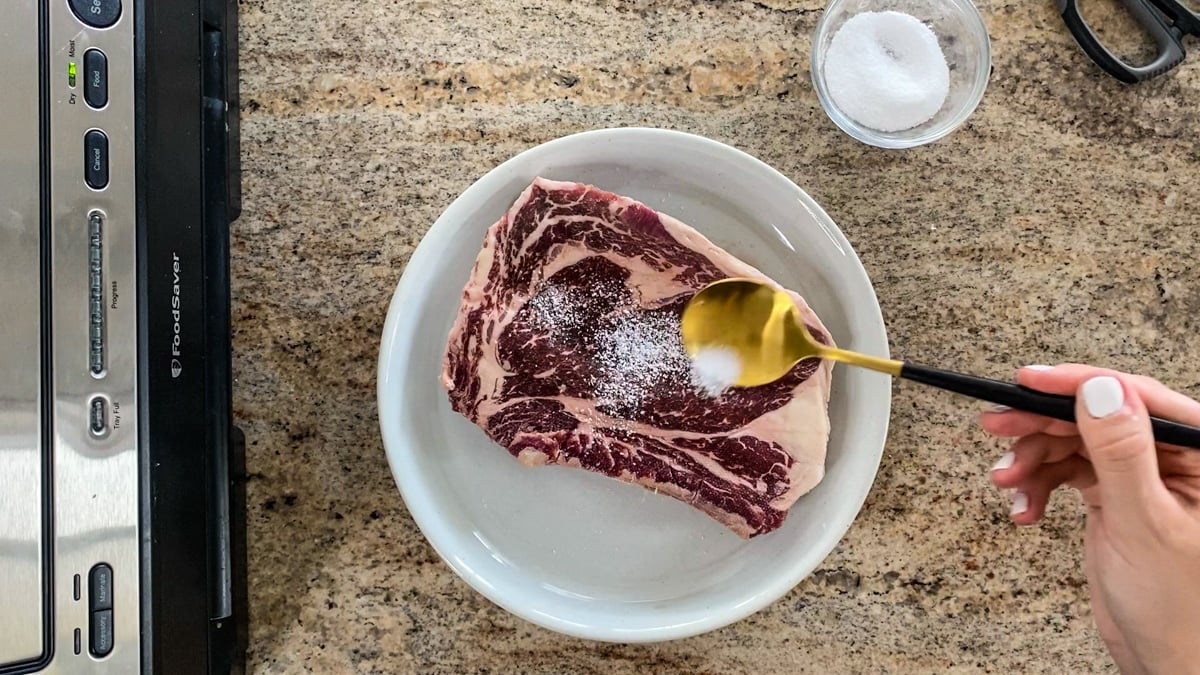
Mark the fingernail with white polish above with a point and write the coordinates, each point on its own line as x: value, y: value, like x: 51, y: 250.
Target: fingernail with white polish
x: 1039, y: 367
x: 1103, y: 396
x: 1020, y: 503
x: 1005, y: 462
x: 997, y: 408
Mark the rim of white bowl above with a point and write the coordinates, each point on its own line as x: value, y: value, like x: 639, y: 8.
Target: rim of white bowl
x: 417, y: 496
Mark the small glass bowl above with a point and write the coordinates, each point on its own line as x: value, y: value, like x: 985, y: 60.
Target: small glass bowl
x: 963, y: 38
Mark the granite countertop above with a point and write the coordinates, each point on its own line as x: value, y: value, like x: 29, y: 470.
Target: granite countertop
x: 1059, y: 224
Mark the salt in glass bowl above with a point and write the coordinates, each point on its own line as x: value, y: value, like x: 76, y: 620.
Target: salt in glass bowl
x: 961, y: 34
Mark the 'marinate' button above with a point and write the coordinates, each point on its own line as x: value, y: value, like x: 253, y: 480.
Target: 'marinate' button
x: 100, y: 587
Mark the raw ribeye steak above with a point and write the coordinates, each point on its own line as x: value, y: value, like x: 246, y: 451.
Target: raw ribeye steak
x: 566, y: 350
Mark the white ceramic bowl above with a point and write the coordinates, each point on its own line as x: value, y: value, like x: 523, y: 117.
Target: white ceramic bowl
x: 577, y: 552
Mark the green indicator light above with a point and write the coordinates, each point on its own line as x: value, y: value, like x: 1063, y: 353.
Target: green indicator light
x: 71, y: 73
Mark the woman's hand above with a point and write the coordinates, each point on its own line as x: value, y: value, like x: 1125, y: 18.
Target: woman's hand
x: 1142, y: 556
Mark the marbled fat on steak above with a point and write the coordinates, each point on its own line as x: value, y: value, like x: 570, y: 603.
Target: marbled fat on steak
x: 566, y: 350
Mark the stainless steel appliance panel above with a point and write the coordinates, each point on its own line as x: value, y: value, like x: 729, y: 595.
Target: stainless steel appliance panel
x: 22, y: 478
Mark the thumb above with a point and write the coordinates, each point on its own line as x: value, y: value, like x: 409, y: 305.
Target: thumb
x: 1115, y: 429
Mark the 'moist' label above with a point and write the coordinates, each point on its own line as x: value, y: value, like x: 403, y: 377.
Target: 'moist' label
x: 176, y: 305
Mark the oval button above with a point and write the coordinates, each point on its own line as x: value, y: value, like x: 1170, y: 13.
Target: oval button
x: 97, y: 13
x: 95, y: 78
x: 98, y: 417
x: 95, y: 159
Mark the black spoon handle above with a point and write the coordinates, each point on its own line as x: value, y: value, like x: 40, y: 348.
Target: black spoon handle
x: 1023, y: 398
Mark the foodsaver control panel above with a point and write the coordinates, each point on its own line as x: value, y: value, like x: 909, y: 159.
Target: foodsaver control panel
x: 69, y: 511
x: 121, y: 545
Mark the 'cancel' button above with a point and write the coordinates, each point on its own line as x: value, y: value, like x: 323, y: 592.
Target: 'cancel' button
x: 95, y: 159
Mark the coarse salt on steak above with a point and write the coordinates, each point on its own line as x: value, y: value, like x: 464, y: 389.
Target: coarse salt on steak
x: 566, y: 350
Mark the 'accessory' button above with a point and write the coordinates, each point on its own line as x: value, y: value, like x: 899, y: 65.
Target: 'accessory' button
x: 100, y: 640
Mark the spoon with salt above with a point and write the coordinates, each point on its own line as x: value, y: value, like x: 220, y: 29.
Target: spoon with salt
x: 762, y: 326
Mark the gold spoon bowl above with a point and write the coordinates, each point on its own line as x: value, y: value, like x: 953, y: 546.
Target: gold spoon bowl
x: 762, y: 325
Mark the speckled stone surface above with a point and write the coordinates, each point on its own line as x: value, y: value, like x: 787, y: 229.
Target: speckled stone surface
x: 1060, y: 223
